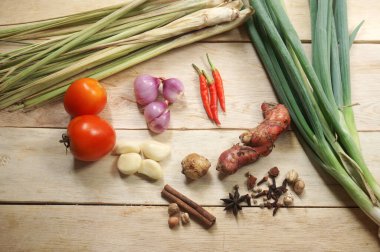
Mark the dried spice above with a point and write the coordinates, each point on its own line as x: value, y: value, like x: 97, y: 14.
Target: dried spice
x: 274, y: 192
x: 263, y: 180
x: 251, y: 181
x: 234, y: 200
x: 299, y: 186
x: 273, y: 172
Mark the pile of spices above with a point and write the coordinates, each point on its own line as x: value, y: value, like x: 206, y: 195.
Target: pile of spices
x: 175, y: 215
x: 188, y: 206
x: 272, y: 195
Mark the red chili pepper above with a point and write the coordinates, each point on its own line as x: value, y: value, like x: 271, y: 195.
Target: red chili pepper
x: 204, y: 92
x: 213, y: 98
x: 218, y: 84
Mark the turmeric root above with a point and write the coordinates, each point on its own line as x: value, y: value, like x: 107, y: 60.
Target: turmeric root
x: 257, y: 142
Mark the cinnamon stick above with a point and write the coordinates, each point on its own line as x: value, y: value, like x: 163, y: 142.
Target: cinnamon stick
x: 188, y: 205
x: 191, y: 203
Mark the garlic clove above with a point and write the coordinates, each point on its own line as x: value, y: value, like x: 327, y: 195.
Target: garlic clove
x: 185, y: 218
x: 125, y: 146
x: 151, y: 168
x: 155, y: 150
x: 129, y: 163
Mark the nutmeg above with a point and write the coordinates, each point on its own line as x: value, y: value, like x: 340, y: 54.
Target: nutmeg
x: 173, y: 221
x: 299, y: 186
x: 173, y: 209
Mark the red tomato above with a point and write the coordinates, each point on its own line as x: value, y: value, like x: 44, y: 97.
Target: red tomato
x: 90, y: 137
x: 85, y: 97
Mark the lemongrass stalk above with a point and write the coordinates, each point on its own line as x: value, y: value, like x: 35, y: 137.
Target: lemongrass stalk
x: 136, y: 30
x: 70, y: 42
x: 48, y: 24
x: 133, y: 30
x: 194, y: 21
x: 157, y: 9
x: 143, y: 55
x: 75, y: 19
x: 18, y: 56
x: 191, y: 22
x: 165, y: 18
x: 163, y: 6
x: 177, y: 6
x: 44, y: 71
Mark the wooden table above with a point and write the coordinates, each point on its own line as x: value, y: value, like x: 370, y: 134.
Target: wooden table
x: 51, y: 202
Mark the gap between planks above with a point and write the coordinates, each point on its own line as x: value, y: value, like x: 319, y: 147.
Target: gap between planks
x: 170, y: 129
x: 26, y: 203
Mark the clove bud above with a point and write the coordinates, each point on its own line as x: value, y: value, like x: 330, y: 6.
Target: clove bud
x: 251, y: 181
x: 273, y: 172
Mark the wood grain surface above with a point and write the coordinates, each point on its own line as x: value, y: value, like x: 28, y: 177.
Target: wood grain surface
x: 246, y: 87
x: 51, y: 202
x: 42, y: 171
x: 120, y: 228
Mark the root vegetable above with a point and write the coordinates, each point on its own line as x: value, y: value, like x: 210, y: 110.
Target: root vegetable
x: 123, y: 147
x: 195, y: 166
x: 151, y: 169
x: 258, y: 142
x: 129, y: 163
x: 155, y: 150
x: 276, y: 121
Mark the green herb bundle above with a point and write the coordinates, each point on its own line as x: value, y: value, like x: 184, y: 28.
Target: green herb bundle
x: 317, y: 94
x: 102, y: 42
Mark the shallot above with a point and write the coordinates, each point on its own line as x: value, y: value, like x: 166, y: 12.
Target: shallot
x: 157, y: 116
x: 146, y: 89
x: 172, y: 89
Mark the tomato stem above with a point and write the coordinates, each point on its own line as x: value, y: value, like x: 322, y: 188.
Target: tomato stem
x: 65, y: 140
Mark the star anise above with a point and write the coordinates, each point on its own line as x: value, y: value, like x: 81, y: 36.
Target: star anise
x: 234, y: 200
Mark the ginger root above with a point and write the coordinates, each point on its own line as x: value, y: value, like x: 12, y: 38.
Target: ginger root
x: 195, y: 166
x: 257, y: 142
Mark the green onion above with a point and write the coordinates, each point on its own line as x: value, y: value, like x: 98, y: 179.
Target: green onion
x: 317, y: 94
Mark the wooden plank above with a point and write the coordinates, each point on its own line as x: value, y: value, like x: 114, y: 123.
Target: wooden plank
x: 246, y: 87
x: 124, y: 228
x: 35, y: 168
x: 298, y: 11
